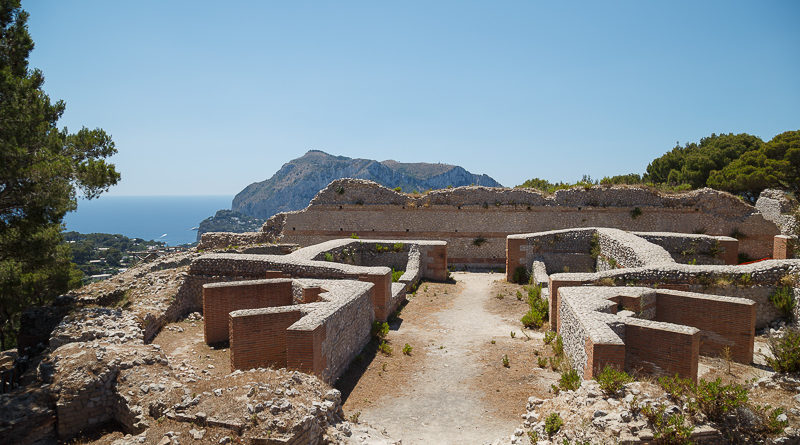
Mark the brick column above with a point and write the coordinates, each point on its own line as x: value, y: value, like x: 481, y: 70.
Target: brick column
x: 783, y: 247
x: 435, y: 263
x: 554, y: 298
x: 730, y: 251
x: 515, y: 257
x: 381, y: 293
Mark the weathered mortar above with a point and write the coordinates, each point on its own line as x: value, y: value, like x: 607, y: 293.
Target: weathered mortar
x: 466, y: 216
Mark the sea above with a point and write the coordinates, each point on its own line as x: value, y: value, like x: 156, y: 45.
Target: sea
x: 171, y: 219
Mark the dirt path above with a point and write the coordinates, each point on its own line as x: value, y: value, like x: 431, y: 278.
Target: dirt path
x: 437, y: 403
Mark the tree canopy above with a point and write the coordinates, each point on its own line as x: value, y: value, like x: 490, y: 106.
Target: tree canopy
x: 43, y: 169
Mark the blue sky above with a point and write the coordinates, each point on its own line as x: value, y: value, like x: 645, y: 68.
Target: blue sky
x: 207, y: 97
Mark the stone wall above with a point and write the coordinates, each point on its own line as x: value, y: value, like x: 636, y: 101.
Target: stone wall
x: 320, y: 337
x: 694, y: 248
x: 476, y: 220
x: 756, y: 282
x: 220, y: 299
x: 664, y: 335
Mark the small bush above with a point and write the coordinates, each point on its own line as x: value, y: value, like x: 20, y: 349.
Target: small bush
x: 672, y: 429
x: 380, y: 330
x: 396, y: 274
x: 558, y: 346
x: 354, y: 235
x: 783, y: 300
x: 745, y: 279
x: 407, y: 349
x: 785, y: 351
x: 612, y: 380
x: 397, y: 247
x: 385, y: 348
x: 398, y: 189
x: 549, y: 336
x: 328, y: 256
x: 379, y: 248
x: 533, y: 436
x: 542, y: 362
x: 506, y: 363
x: 520, y: 275
x: 539, y: 309
x: 569, y: 381
x: 552, y: 424
x: 354, y: 417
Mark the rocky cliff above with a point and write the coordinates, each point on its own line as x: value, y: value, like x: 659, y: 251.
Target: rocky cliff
x: 293, y: 186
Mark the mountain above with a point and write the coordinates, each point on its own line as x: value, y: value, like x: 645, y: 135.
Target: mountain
x: 293, y: 186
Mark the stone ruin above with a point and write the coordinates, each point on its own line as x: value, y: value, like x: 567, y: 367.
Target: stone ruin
x: 697, y: 300
x: 629, y: 285
x: 314, y: 325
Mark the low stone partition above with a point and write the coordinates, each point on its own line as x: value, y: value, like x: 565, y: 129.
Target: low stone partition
x: 658, y: 332
x: 695, y: 248
x: 755, y: 281
x: 222, y: 240
x: 581, y: 250
x: 272, y: 324
x: 426, y: 259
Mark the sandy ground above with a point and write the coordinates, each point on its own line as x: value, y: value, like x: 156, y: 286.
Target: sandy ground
x: 448, y: 390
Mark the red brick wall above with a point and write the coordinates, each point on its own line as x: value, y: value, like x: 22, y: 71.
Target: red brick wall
x: 721, y: 323
x: 554, y: 299
x: 514, y: 256
x: 259, y: 340
x: 435, y: 263
x: 730, y: 248
x: 304, y: 350
x: 661, y: 352
x: 311, y: 294
x: 782, y: 247
x: 381, y: 293
x: 220, y: 300
x: 600, y: 355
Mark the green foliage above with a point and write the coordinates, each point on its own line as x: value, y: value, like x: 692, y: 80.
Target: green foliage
x: 380, y: 330
x: 552, y: 424
x: 774, y: 164
x: 672, y: 429
x: 506, y: 363
x: 398, y: 189
x: 636, y: 212
x: 479, y: 241
x: 692, y: 163
x: 745, y: 279
x: 713, y: 399
x: 541, y: 361
x: 783, y: 300
x: 407, y: 349
x: 328, y: 256
x: 385, y: 348
x: 520, y: 275
x: 594, y: 246
x: 785, y: 351
x: 539, y: 309
x: 354, y: 236
x: 611, y: 380
x: 569, y: 381
x: 43, y: 169
x: 533, y: 436
x: 631, y: 178
x: 397, y: 247
x: 549, y: 336
x: 379, y: 248
x: 396, y: 274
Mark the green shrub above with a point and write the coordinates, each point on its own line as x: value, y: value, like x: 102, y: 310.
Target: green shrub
x: 354, y: 235
x: 533, y: 436
x: 785, y: 351
x: 715, y: 399
x: 612, y: 380
x: 569, y: 381
x: 520, y: 275
x: 672, y: 429
x: 506, y: 363
x: 407, y: 349
x: 558, y: 346
x: 552, y: 424
x: 396, y: 274
x: 549, y: 336
x: 745, y: 279
x: 379, y: 248
x: 542, y: 362
x: 783, y: 300
x: 397, y: 247
x: 539, y: 310
x: 380, y: 330
x: 398, y: 189
x: 328, y: 256
x: 385, y: 348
